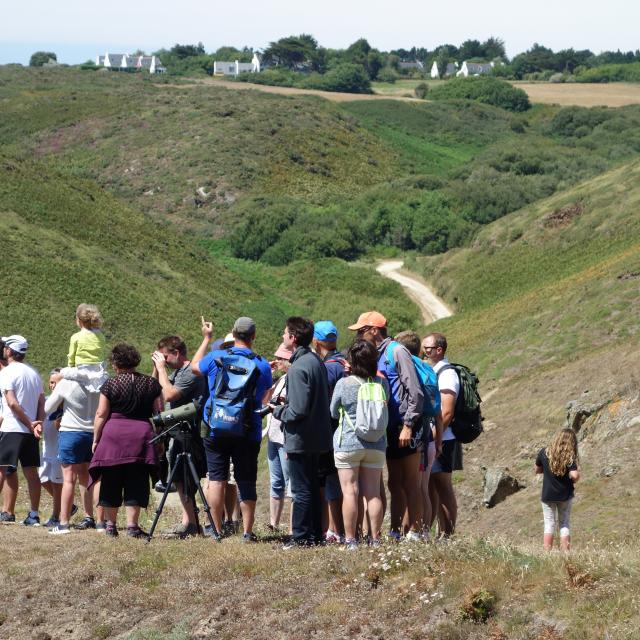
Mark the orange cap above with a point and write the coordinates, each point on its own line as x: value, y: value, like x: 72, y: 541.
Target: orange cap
x: 369, y: 319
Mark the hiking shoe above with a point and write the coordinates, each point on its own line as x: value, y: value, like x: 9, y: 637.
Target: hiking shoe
x: 101, y: 527
x: 74, y: 510
x: 210, y: 533
x: 86, y: 523
x: 136, y: 532
x: 249, y: 537
x: 111, y: 530
x: 52, y: 522
x: 161, y: 487
x: 31, y: 521
x: 5, y: 516
x: 60, y: 529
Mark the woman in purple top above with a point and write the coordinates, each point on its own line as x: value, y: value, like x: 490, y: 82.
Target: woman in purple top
x: 123, y: 454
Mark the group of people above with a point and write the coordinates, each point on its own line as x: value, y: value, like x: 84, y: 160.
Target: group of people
x: 333, y: 420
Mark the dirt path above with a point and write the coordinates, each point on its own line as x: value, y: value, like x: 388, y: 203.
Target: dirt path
x: 432, y: 307
x: 335, y: 96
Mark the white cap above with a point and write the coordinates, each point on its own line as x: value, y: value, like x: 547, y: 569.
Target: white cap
x: 16, y: 343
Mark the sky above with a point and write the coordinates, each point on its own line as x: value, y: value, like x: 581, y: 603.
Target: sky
x: 77, y: 30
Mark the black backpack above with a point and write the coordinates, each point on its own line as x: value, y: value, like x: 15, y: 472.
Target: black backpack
x: 467, y: 420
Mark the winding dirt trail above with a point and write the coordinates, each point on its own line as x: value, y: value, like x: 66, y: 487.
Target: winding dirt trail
x: 432, y: 307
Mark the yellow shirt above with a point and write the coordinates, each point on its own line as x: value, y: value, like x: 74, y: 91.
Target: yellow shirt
x: 88, y: 346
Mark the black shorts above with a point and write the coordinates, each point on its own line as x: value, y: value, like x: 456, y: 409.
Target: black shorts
x: 326, y: 466
x: 450, y: 459
x: 244, y: 453
x: 394, y: 451
x: 130, y: 481
x: 19, y: 447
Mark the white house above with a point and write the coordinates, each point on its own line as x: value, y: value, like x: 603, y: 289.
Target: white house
x: 221, y: 68
x: 451, y: 69
x: 474, y: 69
x: 125, y: 62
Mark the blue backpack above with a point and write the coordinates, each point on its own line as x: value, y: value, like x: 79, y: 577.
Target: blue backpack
x: 231, y: 407
x: 428, y: 380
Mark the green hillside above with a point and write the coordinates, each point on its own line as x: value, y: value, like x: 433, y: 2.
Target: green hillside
x: 70, y: 241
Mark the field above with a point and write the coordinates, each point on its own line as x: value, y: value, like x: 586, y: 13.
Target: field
x: 140, y: 196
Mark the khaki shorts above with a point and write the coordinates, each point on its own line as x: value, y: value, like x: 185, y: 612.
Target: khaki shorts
x: 367, y: 458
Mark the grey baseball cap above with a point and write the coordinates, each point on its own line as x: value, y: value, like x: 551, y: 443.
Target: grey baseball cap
x: 244, y: 325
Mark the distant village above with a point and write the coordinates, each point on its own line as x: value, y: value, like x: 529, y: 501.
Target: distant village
x: 153, y: 65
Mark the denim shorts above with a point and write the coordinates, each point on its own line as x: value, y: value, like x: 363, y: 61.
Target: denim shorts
x: 74, y: 447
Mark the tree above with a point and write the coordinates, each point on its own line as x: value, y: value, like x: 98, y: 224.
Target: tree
x: 291, y: 51
x: 494, y: 48
x: 231, y: 53
x: 187, y: 50
x: 471, y: 49
x: 42, y: 57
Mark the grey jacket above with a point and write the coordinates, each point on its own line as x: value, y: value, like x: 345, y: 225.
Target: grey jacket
x: 305, y: 414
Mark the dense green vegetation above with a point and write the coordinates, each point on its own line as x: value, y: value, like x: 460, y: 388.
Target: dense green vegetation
x: 483, y: 89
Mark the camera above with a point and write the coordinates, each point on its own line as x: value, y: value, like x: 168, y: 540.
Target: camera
x: 171, y: 417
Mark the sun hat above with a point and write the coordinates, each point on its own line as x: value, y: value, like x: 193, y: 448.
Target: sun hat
x: 369, y: 319
x: 283, y: 352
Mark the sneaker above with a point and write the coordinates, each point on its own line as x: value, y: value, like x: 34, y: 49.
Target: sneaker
x: 111, y: 530
x: 74, y: 509
x: 60, y: 529
x: 375, y: 543
x: 210, y: 533
x: 86, y: 523
x: 183, y: 531
x: 161, y: 487
x: 52, y: 522
x: 5, y: 516
x: 394, y: 536
x: 413, y: 536
x: 249, y: 537
x: 351, y: 544
x: 331, y: 537
x: 101, y: 527
x: 136, y: 532
x: 31, y: 521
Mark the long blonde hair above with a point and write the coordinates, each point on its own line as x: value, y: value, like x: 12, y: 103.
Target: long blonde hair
x: 89, y: 316
x: 562, y: 452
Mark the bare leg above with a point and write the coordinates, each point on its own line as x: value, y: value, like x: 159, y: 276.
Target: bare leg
x: 133, y: 516
x: 82, y: 472
x: 548, y: 541
x: 33, y: 484
x: 248, y: 508
x: 370, y: 487
x: 111, y: 514
x: 10, y: 492
x: 68, y: 489
x: 350, y: 499
x: 188, y: 512
x: 565, y: 543
x: 398, y: 499
x: 99, y: 511
x: 216, y: 500
x: 335, y: 516
x: 275, y: 511
x: 448, y: 504
x: 411, y: 466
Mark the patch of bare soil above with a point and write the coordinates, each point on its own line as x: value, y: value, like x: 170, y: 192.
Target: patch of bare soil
x: 564, y: 216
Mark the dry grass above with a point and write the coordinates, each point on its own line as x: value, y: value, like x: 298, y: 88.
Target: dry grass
x: 614, y: 94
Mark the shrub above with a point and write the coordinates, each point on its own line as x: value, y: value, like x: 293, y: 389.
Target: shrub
x: 388, y: 74
x: 40, y: 58
x: 421, y: 90
x: 349, y: 78
x: 483, y: 89
x: 611, y: 73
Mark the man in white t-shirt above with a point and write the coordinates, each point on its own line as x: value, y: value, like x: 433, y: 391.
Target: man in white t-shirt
x: 443, y: 497
x: 22, y: 417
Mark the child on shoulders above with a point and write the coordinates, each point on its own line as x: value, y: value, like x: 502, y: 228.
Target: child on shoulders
x: 87, y: 346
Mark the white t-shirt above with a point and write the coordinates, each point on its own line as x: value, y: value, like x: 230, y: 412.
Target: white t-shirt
x: 447, y: 381
x: 26, y: 384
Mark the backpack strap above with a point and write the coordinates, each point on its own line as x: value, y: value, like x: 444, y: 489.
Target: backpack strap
x: 446, y: 368
x: 344, y: 415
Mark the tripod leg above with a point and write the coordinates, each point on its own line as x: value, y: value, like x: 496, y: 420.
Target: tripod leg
x: 205, y: 504
x: 160, y: 506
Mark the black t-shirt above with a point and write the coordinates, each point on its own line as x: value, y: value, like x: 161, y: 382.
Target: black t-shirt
x: 554, y: 488
x: 132, y: 394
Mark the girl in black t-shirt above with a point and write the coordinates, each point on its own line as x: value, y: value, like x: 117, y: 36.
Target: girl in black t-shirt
x: 559, y: 465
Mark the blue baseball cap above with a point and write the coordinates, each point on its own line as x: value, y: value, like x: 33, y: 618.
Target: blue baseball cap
x: 325, y: 330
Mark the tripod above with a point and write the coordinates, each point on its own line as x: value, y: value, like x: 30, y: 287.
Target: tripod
x: 189, y: 474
